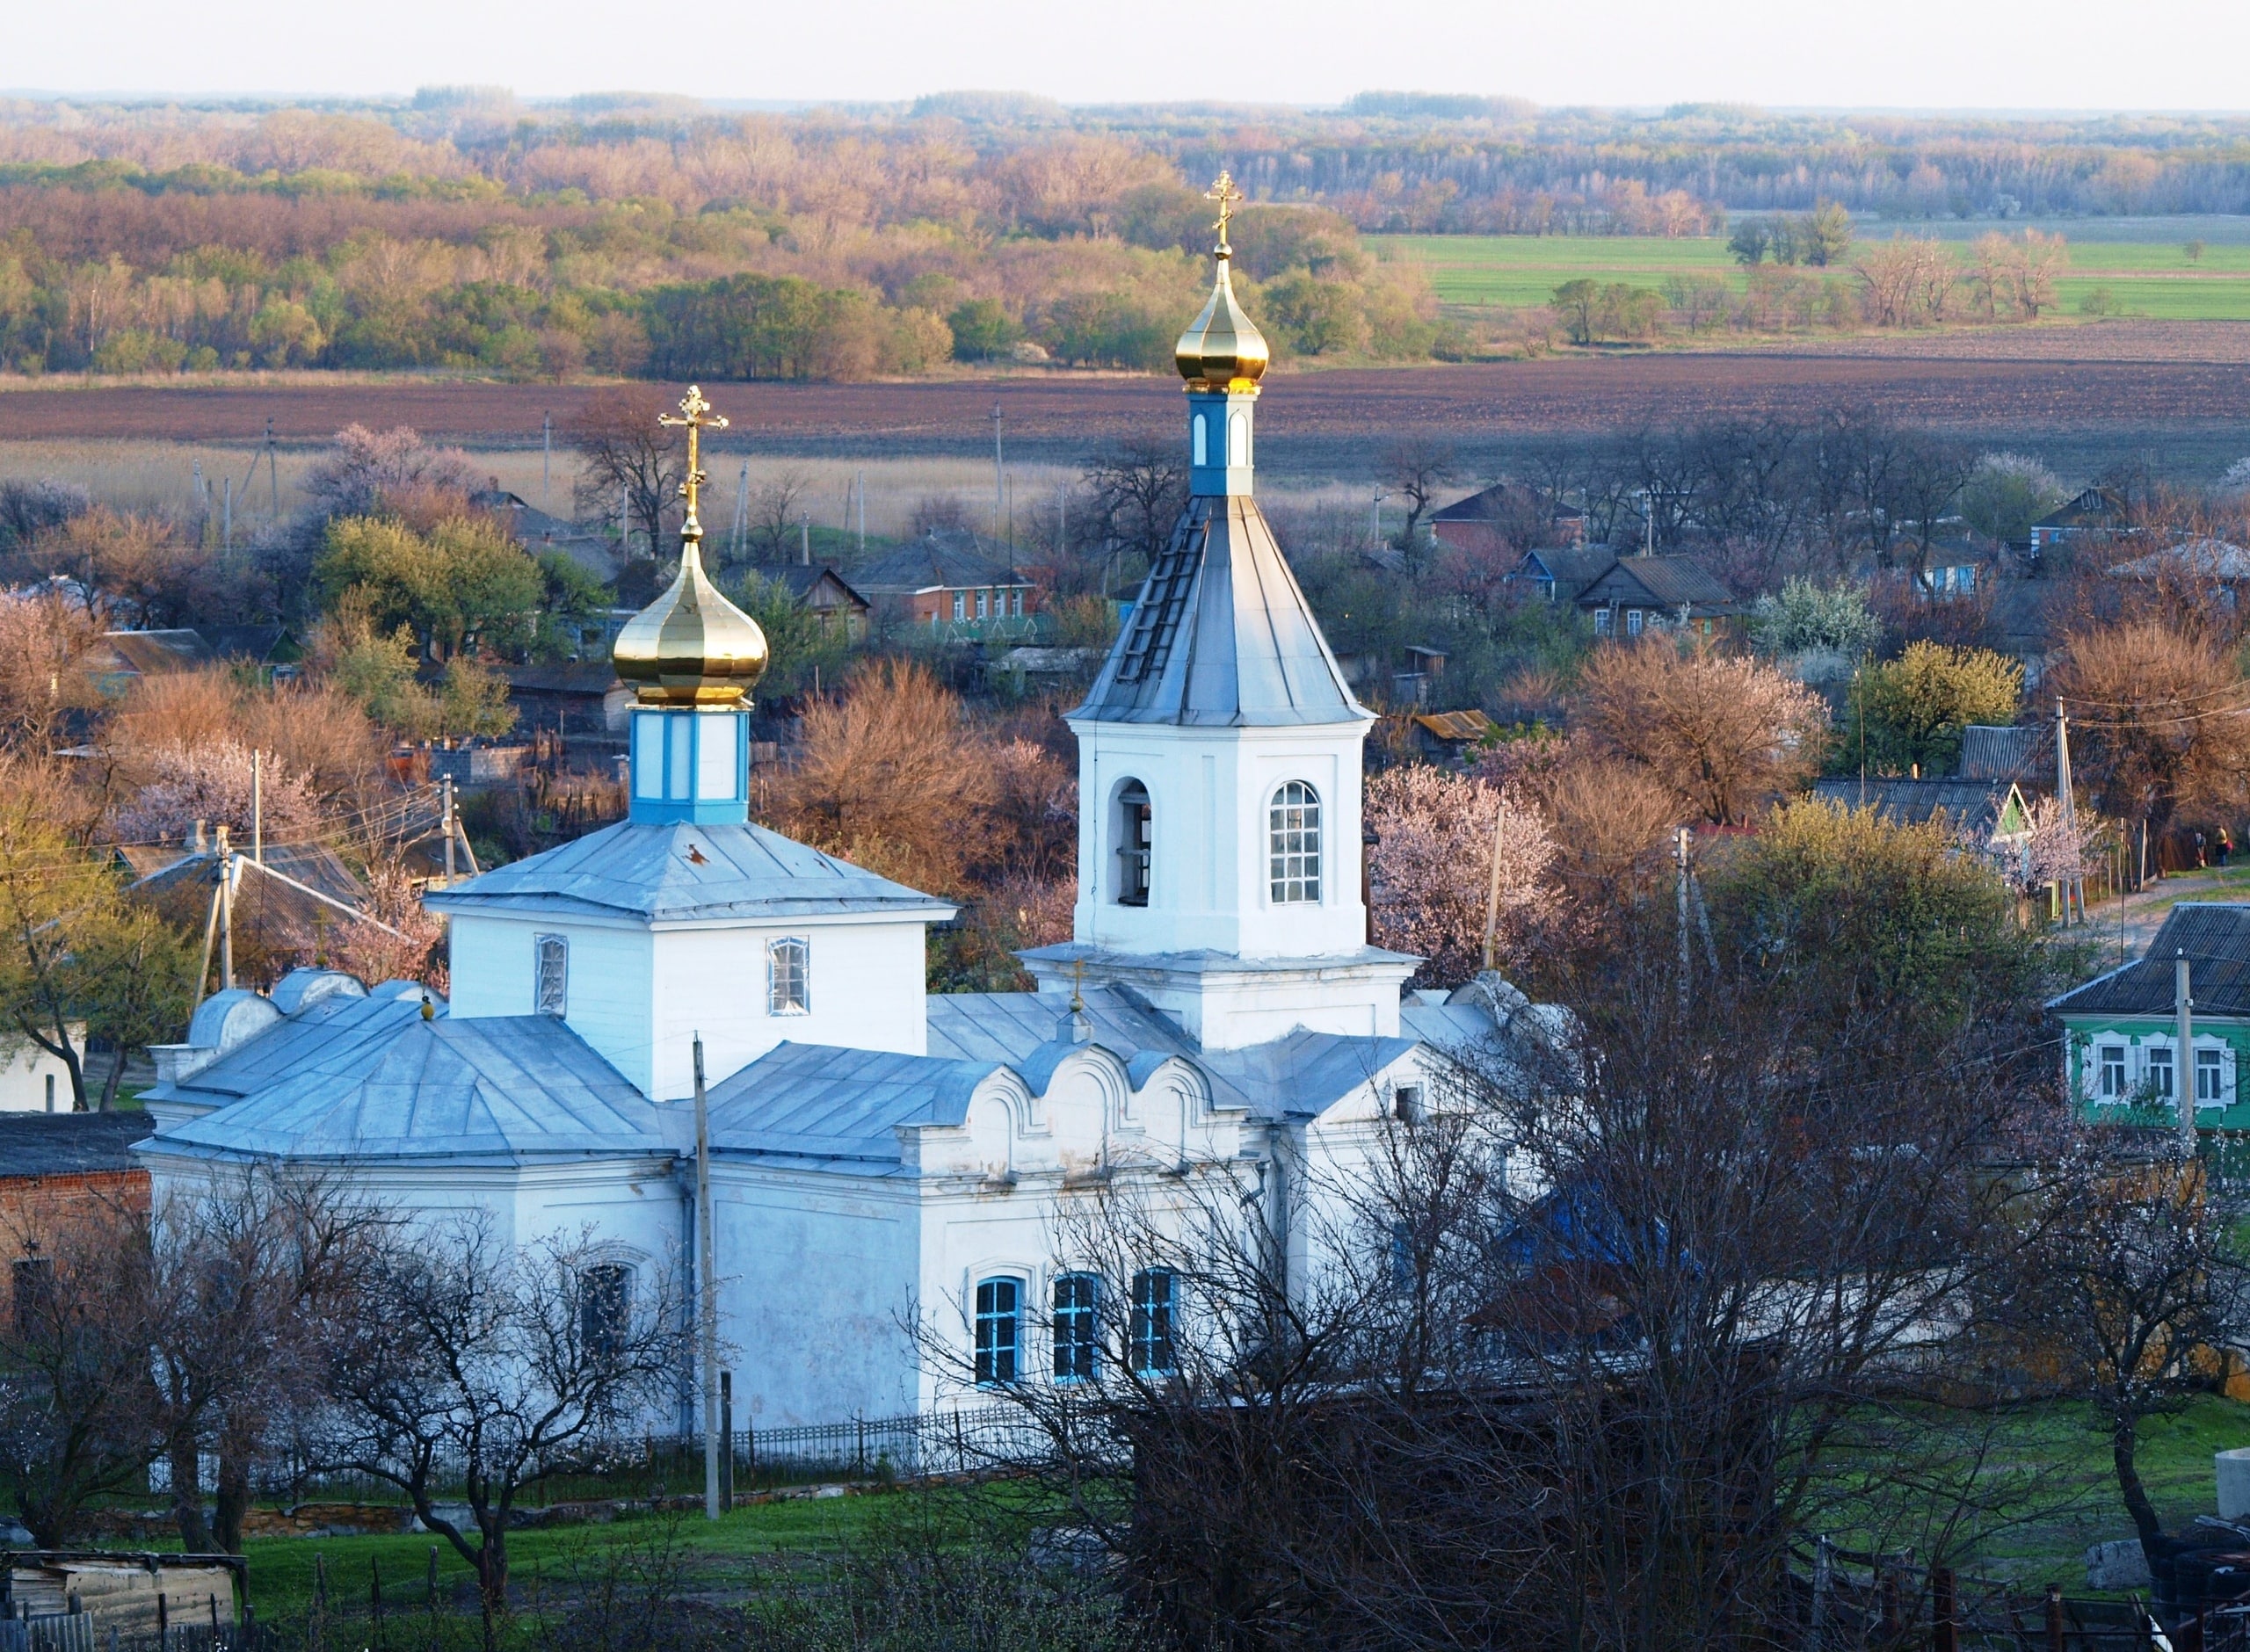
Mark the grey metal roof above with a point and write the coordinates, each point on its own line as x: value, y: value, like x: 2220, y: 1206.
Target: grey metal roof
x: 502, y: 1087
x: 69, y: 1143
x: 682, y: 872
x: 1974, y: 803
x: 2216, y: 936
x: 1221, y: 636
x: 2008, y: 751
x: 1572, y: 567
x: 328, y: 1031
x: 814, y: 1101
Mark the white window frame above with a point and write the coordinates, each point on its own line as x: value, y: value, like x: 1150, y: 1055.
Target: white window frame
x: 2105, y: 1093
x: 1148, y: 1333
x: 1294, y: 867
x: 2211, y: 1045
x: 787, y: 954
x: 2169, y: 1095
x: 557, y: 1003
x: 1602, y: 627
x: 1634, y: 622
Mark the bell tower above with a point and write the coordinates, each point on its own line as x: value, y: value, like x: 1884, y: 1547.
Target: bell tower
x: 1219, y: 757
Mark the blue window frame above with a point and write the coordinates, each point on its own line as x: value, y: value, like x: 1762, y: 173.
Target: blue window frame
x: 999, y: 1330
x: 1077, y: 1330
x: 1153, y: 1300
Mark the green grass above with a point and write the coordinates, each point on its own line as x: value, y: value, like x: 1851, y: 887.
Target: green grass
x: 728, y: 1552
x: 1476, y: 272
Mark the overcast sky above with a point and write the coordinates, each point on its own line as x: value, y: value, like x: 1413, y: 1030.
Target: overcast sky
x: 1887, y: 53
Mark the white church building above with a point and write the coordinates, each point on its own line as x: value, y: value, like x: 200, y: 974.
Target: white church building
x: 883, y: 1156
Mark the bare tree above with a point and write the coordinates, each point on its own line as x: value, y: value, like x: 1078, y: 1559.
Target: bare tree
x: 1139, y: 488
x: 628, y: 455
x: 477, y: 1365
x: 2156, y: 709
x: 775, y: 506
x: 80, y: 1416
x: 1417, y: 466
x: 2134, y: 1279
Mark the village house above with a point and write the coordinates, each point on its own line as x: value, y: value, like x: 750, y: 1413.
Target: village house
x: 2094, y: 513
x: 950, y: 576
x: 891, y: 1167
x: 823, y: 593
x: 2121, y: 1055
x: 1494, y: 520
x: 57, y: 1169
x: 1560, y: 574
x: 120, y: 658
x: 1645, y: 593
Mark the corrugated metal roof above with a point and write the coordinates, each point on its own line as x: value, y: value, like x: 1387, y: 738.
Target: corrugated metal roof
x: 69, y: 1143
x: 680, y: 872
x: 1221, y: 636
x: 942, y: 559
x: 508, y: 1087
x: 328, y: 1031
x: 1974, y: 803
x: 2013, y: 751
x: 2216, y: 936
x: 1455, y: 725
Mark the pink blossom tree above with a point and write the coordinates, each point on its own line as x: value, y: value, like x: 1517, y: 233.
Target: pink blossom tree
x: 212, y: 782
x: 1438, y: 835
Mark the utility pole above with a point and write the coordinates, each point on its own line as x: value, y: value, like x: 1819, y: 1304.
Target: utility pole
x: 272, y: 467
x: 257, y: 807
x: 2184, y: 1061
x: 1491, y: 892
x: 546, y: 453
x: 446, y: 793
x: 707, y: 1292
x: 1680, y: 853
x: 741, y: 509
x: 804, y: 541
x: 1648, y: 523
x: 1374, y: 519
x: 226, y: 913
x: 999, y: 488
x: 859, y: 494
x: 227, y: 533
x: 2072, y: 887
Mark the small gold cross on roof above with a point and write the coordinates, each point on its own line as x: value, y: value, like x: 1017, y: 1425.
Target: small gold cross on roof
x: 1228, y: 197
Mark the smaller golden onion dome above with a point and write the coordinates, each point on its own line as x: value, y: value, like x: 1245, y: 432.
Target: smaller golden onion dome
x: 691, y: 647
x: 1222, y: 350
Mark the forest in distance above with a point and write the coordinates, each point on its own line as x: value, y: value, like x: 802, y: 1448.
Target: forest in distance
x: 464, y: 231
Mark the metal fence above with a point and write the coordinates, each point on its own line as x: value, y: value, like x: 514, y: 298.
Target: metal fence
x: 969, y: 1441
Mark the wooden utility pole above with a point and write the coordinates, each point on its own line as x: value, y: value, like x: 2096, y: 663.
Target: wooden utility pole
x: 2073, y: 888
x: 446, y: 793
x: 999, y: 489
x: 272, y: 467
x: 546, y: 453
x: 257, y: 807
x: 1679, y: 854
x: 2183, y: 1061
x: 708, y: 1291
x: 226, y: 913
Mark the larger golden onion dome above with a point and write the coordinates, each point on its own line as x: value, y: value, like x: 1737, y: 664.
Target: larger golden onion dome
x: 1222, y: 350
x: 692, y: 647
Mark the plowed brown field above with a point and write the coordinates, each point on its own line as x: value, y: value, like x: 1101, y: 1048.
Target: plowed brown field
x: 2182, y: 388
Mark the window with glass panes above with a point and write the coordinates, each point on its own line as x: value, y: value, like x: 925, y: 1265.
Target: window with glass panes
x: 2210, y: 1069
x: 999, y: 1330
x: 2114, y: 1084
x: 1078, y: 1332
x: 1294, y: 845
x: 788, y: 971
x: 2159, y: 1072
x: 1153, y: 1291
x: 554, y: 975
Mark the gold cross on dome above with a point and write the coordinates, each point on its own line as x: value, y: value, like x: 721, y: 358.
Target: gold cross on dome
x: 697, y: 416
x: 1228, y: 197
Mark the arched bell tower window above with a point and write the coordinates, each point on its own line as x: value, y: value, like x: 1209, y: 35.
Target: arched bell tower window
x: 1293, y: 839
x: 1135, y: 836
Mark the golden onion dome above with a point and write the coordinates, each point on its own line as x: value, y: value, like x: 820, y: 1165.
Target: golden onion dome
x: 1222, y: 350
x: 691, y: 647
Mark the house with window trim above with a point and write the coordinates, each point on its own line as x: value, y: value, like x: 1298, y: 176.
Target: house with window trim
x: 2121, y: 1045
x: 892, y: 1169
x: 950, y: 576
x: 1639, y: 594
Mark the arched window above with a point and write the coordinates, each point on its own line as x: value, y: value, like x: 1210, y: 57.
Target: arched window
x: 605, y: 1308
x: 1293, y: 837
x: 554, y: 975
x: 1135, y: 842
x: 1202, y: 440
x: 999, y: 1330
x: 1238, y: 439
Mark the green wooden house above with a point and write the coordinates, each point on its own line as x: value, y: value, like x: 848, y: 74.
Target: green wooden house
x: 2121, y: 1057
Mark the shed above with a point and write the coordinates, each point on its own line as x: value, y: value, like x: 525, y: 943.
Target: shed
x: 131, y: 1595
x: 822, y: 592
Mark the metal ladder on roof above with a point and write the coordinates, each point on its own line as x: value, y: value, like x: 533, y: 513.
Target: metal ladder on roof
x: 1164, y: 598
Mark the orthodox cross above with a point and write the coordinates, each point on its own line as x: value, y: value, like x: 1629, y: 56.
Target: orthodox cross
x: 1227, y: 195
x: 1077, y: 981
x: 697, y: 417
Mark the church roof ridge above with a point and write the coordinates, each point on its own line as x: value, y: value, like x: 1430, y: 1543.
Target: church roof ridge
x: 1222, y: 634
x: 682, y: 871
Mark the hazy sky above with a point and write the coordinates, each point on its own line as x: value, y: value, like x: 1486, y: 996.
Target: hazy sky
x: 1891, y: 54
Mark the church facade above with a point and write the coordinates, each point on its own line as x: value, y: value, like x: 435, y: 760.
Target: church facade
x: 892, y: 1170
